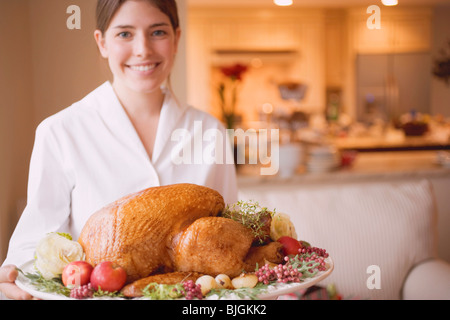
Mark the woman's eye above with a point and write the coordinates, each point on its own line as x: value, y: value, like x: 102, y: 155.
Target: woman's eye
x: 124, y: 35
x: 159, y: 33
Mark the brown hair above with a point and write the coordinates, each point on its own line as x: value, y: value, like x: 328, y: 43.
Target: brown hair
x: 106, y: 9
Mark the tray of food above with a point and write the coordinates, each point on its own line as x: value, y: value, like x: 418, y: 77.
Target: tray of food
x: 176, y: 242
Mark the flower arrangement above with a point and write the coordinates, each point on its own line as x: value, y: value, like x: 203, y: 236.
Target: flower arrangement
x: 228, y: 92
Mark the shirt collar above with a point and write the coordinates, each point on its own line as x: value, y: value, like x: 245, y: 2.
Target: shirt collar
x: 113, y: 112
x: 169, y: 120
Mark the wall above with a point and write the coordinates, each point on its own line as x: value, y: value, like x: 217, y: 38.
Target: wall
x: 44, y: 68
x: 179, y: 72
x: 66, y: 63
x: 16, y: 111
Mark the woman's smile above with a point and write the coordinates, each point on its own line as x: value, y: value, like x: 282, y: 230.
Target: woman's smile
x: 143, y: 69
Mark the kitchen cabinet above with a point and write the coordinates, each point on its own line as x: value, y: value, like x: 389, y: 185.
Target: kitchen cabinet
x: 402, y: 30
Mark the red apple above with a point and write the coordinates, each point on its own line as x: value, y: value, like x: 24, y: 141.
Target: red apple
x: 290, y: 245
x: 108, y: 277
x: 76, y: 274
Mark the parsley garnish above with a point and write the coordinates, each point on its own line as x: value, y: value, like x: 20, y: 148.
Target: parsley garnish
x: 156, y: 291
x: 54, y: 285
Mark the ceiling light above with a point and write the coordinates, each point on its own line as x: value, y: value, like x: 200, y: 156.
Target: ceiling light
x: 389, y: 2
x: 283, y: 3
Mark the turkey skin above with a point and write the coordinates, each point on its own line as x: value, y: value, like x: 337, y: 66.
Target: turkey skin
x: 168, y: 229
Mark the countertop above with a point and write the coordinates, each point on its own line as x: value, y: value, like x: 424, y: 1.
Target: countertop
x: 367, y: 166
x: 428, y: 142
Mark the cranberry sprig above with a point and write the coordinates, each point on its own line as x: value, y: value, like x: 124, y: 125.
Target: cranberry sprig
x: 305, y: 264
x: 312, y: 258
x: 281, y: 273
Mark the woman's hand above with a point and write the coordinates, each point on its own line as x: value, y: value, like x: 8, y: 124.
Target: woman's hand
x: 8, y: 275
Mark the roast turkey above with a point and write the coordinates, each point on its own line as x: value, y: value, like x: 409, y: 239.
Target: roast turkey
x: 169, y: 230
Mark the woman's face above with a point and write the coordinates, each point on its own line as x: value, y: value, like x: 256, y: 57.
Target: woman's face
x: 140, y: 45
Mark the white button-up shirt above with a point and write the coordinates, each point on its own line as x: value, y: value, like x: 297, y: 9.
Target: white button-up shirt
x: 89, y: 155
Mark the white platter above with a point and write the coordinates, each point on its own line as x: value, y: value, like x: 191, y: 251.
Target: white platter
x: 271, y: 293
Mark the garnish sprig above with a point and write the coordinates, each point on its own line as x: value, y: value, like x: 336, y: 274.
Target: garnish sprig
x: 251, y: 215
x: 54, y: 285
x: 187, y: 289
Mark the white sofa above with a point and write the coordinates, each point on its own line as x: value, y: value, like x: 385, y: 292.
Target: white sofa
x: 382, y: 236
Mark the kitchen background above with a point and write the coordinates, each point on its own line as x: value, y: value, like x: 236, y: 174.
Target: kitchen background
x: 315, y: 64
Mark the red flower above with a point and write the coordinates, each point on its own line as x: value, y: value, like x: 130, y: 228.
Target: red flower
x: 235, y: 72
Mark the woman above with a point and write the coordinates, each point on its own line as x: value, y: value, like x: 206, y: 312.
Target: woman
x: 118, y: 139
